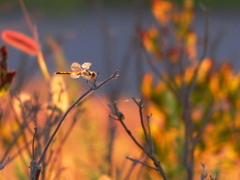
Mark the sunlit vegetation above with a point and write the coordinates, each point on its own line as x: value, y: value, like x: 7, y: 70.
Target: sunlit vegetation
x: 184, y: 125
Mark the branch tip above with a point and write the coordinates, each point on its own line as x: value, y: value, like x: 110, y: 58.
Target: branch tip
x: 5, y: 163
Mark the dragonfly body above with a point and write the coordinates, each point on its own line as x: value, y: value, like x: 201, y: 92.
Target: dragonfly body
x: 81, y: 71
x: 63, y: 72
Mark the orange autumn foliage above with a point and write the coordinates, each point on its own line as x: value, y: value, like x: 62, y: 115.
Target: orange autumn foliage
x: 219, y: 145
x: 150, y: 40
x: 162, y: 10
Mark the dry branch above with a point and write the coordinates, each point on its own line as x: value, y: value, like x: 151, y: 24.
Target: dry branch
x: 35, y: 168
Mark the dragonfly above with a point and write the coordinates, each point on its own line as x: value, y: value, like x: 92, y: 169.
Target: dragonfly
x: 79, y: 70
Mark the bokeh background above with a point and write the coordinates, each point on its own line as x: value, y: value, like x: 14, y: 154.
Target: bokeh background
x: 77, y: 26
x: 105, y: 34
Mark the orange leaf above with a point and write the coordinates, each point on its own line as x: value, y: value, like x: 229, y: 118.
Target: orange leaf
x: 191, y: 43
x: 20, y: 41
x: 204, y: 69
x: 151, y: 42
x: 147, y: 85
x: 162, y: 10
x: 173, y: 54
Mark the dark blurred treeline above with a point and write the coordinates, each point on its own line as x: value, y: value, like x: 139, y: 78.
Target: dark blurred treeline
x: 63, y: 6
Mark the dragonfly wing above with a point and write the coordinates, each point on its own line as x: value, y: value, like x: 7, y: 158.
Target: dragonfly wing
x: 86, y: 65
x: 75, y: 67
x: 74, y: 75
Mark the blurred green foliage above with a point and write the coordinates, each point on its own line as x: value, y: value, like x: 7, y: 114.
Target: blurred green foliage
x: 62, y: 6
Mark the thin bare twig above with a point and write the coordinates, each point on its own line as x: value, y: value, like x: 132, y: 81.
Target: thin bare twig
x: 119, y: 117
x: 173, y: 87
x: 5, y: 163
x: 204, y: 124
x: 111, y: 134
x: 214, y: 178
x: 35, y: 168
x: 140, y: 107
x: 10, y: 145
x: 151, y: 145
x: 20, y: 150
x: 204, y: 174
x: 145, y: 164
x: 54, y: 162
x: 26, y: 15
x: 22, y: 158
x: 204, y: 54
x: 128, y: 174
x: 189, y: 140
x: 90, y: 90
x: 34, y: 136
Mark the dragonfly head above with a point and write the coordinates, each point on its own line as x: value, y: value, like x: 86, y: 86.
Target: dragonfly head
x: 93, y: 75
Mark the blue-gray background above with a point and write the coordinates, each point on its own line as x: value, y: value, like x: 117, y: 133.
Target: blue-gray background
x: 77, y: 26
